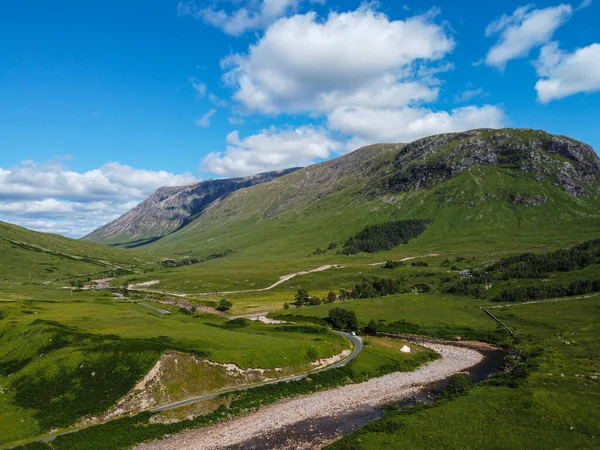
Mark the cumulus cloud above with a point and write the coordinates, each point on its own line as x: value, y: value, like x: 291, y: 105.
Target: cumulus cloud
x: 563, y: 74
x: 304, y: 64
x: 204, y: 121
x: 271, y: 149
x: 523, y: 30
x: 369, y: 125
x: 367, y: 75
x: 50, y: 197
x: 252, y: 16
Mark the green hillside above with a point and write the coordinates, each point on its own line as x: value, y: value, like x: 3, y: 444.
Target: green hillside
x: 29, y: 256
x: 484, y: 190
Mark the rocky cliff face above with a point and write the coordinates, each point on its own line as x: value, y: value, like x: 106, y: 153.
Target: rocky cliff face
x: 570, y: 164
x: 170, y: 208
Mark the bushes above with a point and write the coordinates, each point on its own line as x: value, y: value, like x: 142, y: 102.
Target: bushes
x: 224, y: 305
x: 393, y: 264
x: 377, y: 287
x: 343, y: 319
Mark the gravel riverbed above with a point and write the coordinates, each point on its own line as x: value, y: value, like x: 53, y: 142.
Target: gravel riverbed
x: 338, y: 402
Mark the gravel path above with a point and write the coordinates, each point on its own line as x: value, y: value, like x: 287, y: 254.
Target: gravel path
x: 339, y: 401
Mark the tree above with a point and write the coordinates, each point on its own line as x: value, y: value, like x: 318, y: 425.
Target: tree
x: 313, y: 301
x: 371, y: 327
x: 224, y: 305
x: 286, y: 306
x: 342, y: 318
x: 301, y: 297
x: 331, y: 297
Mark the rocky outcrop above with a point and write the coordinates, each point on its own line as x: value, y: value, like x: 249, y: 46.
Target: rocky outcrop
x: 171, y: 208
x: 570, y: 164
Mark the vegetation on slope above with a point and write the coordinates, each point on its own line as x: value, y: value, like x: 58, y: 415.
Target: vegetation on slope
x: 61, y: 360
x: 385, y: 236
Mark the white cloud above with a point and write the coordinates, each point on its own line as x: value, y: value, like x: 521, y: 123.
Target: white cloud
x: 271, y: 149
x: 252, y: 16
x: 357, y: 58
x: 199, y: 87
x: 50, y: 197
x: 368, y: 75
x: 522, y: 31
x: 369, y: 125
x: 469, y: 94
x: 584, y: 4
x: 217, y: 101
x: 563, y: 74
x: 204, y: 121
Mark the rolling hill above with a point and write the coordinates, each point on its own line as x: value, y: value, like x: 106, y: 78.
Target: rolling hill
x: 41, y: 257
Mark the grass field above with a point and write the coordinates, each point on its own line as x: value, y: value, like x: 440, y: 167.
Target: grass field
x: 61, y: 360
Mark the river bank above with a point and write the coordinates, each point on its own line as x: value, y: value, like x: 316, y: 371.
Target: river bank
x: 321, y: 417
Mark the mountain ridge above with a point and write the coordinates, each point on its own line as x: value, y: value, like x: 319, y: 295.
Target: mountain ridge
x: 170, y: 208
x: 487, y: 173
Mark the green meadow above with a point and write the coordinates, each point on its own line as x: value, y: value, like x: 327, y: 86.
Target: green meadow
x: 62, y: 360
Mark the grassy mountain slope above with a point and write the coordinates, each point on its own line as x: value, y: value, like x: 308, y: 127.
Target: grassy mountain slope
x: 31, y: 256
x: 507, y: 183
x: 171, y: 208
x: 484, y: 189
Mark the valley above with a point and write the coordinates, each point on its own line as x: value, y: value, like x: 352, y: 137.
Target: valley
x: 407, y: 240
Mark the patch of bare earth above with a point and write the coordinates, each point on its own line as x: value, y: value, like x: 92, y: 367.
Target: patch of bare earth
x: 336, y: 402
x: 178, y: 376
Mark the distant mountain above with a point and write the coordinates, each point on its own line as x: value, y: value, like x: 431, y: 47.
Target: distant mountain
x: 171, y: 208
x: 481, y: 187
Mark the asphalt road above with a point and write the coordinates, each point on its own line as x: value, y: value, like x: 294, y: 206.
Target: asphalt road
x: 357, y: 349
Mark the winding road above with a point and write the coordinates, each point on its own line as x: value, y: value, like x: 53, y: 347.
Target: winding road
x: 358, y: 345
x: 357, y: 349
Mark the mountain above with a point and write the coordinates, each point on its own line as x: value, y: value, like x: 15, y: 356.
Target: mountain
x: 489, y: 186
x: 171, y: 208
x: 486, y: 187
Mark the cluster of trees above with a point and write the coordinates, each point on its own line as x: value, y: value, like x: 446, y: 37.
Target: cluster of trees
x: 171, y: 263
x: 385, y: 236
x: 303, y: 298
x: 378, y: 287
x: 343, y: 319
x: 330, y: 247
x: 473, y: 285
x: 540, y: 292
x: 529, y: 265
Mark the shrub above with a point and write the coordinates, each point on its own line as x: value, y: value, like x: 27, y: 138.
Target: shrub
x: 224, y: 305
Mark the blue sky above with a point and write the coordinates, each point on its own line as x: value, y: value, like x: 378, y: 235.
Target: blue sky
x: 103, y: 102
